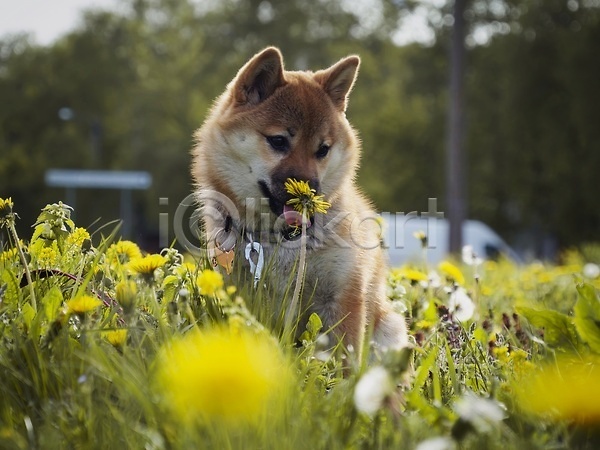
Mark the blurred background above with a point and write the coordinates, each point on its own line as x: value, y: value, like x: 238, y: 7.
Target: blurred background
x: 110, y: 85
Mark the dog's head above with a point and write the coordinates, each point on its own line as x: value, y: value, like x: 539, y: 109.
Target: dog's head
x: 271, y: 125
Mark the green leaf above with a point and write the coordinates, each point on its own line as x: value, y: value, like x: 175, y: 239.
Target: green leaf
x: 587, y: 316
x: 52, y: 301
x: 426, y: 366
x: 559, y: 330
x: 452, y: 373
x: 28, y: 314
x: 38, y: 231
x: 314, y: 325
x: 12, y: 292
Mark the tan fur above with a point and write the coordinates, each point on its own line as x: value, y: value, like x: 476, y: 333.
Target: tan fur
x: 346, y: 269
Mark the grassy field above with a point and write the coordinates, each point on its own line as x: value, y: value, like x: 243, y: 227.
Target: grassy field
x: 106, y: 347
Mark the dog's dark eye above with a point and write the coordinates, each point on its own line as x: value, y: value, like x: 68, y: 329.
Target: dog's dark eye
x: 278, y: 143
x: 323, y: 151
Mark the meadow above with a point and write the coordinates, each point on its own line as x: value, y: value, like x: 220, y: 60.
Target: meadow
x: 104, y: 346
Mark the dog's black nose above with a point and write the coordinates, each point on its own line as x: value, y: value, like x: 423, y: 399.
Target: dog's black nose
x: 280, y: 179
x: 314, y: 184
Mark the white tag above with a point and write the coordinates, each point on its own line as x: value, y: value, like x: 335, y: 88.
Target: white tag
x: 255, y: 268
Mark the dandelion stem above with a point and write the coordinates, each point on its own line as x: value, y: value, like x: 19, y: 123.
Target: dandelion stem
x: 13, y: 231
x: 299, y: 278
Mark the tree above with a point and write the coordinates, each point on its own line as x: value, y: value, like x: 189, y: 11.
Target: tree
x: 455, y: 160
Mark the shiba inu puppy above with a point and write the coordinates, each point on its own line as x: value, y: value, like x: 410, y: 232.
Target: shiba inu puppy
x: 270, y: 125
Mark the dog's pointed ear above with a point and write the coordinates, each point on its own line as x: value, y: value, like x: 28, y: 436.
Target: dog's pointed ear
x: 337, y: 81
x: 259, y: 77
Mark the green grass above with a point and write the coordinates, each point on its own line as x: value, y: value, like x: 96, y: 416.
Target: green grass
x: 70, y: 379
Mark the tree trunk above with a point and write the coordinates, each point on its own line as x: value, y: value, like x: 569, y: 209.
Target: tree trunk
x: 455, y: 163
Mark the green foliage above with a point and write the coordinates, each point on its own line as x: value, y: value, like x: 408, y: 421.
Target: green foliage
x: 587, y: 316
x: 80, y: 368
x: 559, y: 330
x: 139, y: 84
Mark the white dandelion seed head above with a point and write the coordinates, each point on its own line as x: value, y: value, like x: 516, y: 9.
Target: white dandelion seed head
x: 460, y: 305
x: 591, y: 270
x: 469, y: 256
x: 323, y: 355
x: 435, y: 281
x: 372, y: 390
x: 436, y: 443
x: 322, y: 341
x: 399, y: 307
x: 395, y: 291
x: 482, y: 413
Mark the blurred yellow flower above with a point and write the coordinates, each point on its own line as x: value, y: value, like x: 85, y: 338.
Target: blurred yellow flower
x: 565, y: 390
x: 77, y: 237
x: 8, y: 255
x: 126, y: 292
x: 452, y: 272
x: 47, y: 257
x: 185, y: 269
x: 209, y: 282
x: 146, y: 265
x: 501, y: 353
x: 410, y: 274
x: 486, y: 290
x: 6, y: 207
x: 122, y: 252
x: 116, y: 337
x: 83, y: 304
x: 231, y: 290
x: 425, y: 324
x: 222, y: 375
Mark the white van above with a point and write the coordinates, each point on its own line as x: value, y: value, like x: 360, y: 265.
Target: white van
x: 399, y: 238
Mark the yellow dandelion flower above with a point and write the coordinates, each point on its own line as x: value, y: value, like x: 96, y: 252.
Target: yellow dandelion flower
x: 126, y: 292
x: 122, y: 252
x: 486, y: 291
x: 83, y: 304
x: 48, y: 257
x: 305, y: 200
x: 565, y: 390
x: 6, y: 208
x: 209, y: 282
x: 518, y: 355
x: 222, y: 376
x: 425, y: 324
x: 410, y: 274
x: 77, y: 237
x: 185, y: 269
x: 116, y: 337
x: 452, y: 272
x: 501, y: 353
x: 6, y: 203
x: 8, y: 255
x: 146, y: 265
x: 231, y: 290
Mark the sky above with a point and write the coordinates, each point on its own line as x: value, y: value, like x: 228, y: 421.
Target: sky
x: 46, y: 19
